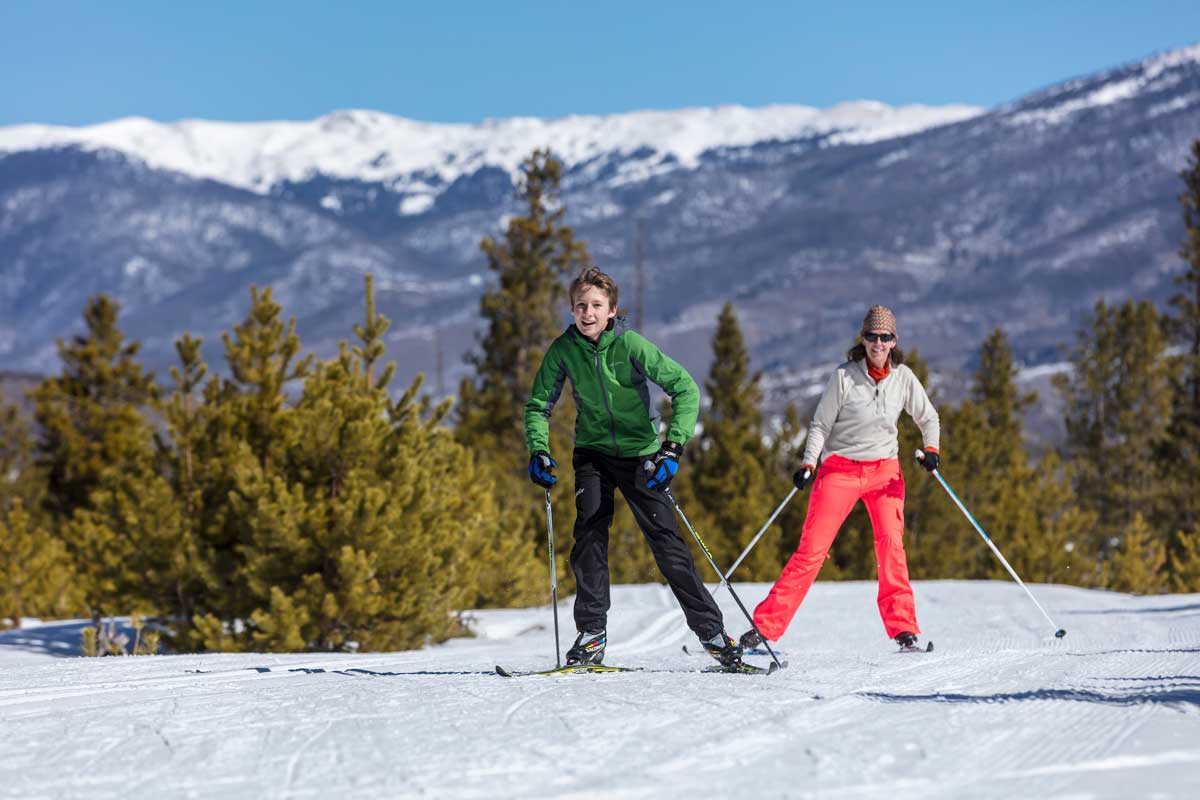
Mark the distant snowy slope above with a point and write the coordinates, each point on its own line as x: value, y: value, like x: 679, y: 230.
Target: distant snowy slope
x: 1000, y: 709
x: 408, y: 155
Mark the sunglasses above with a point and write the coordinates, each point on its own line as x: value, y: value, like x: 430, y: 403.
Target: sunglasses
x: 879, y: 337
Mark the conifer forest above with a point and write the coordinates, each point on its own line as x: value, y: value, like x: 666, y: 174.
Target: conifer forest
x: 282, y: 502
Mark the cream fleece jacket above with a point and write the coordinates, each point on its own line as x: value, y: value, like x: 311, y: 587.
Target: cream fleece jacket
x: 856, y: 417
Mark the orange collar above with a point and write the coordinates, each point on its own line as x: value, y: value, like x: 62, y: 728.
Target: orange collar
x: 879, y: 374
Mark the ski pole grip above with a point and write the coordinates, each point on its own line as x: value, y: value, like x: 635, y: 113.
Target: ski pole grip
x: 920, y: 454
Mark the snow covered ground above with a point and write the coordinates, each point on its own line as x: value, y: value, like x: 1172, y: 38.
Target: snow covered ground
x: 999, y: 709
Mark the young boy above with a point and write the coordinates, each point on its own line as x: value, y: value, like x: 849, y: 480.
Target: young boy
x: 616, y: 446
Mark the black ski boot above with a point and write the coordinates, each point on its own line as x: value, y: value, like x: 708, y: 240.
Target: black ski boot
x: 588, y: 648
x: 724, y: 649
x: 907, y: 642
x: 750, y: 640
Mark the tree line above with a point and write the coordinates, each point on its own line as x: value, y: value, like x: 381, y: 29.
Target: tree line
x: 289, y: 503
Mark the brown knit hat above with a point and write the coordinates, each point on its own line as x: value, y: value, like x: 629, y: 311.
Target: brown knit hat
x: 880, y: 318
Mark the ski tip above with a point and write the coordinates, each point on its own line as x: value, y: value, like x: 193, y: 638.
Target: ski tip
x: 929, y: 648
x: 502, y: 672
x: 774, y: 667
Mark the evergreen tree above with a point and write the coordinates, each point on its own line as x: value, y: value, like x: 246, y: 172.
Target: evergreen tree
x: 160, y: 515
x: 1179, y: 455
x: 91, y: 414
x: 1038, y: 526
x: 36, y: 577
x: 728, y: 462
x: 367, y: 527
x: 524, y: 312
x: 995, y: 389
x: 787, y: 451
x: 1185, y: 561
x: 94, y: 435
x: 1138, y: 563
x: 262, y: 357
x: 20, y: 478
x: 1118, y: 404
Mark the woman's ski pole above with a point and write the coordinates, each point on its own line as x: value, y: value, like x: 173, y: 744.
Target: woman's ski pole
x: 721, y: 575
x: 1059, y: 632
x: 757, y: 536
x: 553, y: 578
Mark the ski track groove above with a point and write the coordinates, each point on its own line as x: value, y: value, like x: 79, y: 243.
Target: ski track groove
x: 999, y: 710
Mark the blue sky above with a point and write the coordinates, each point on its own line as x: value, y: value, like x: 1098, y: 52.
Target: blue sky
x: 72, y: 62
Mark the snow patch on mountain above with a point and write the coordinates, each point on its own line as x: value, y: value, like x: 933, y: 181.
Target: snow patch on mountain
x: 423, y: 158
x: 1156, y: 73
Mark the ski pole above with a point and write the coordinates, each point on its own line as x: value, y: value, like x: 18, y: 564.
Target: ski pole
x: 1059, y: 632
x: 553, y: 578
x: 721, y: 575
x: 757, y: 536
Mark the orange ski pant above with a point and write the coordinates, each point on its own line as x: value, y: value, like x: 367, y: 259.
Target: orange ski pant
x: 839, y: 485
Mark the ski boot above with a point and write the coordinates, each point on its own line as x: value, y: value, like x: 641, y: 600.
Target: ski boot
x: 724, y: 649
x: 588, y: 648
x: 907, y: 642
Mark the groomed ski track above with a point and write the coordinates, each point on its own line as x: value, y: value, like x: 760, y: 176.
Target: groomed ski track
x: 999, y: 709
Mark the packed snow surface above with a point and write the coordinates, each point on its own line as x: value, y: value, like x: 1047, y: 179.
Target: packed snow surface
x: 1000, y: 709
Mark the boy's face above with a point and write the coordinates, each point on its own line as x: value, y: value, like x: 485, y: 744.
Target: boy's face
x: 592, y: 311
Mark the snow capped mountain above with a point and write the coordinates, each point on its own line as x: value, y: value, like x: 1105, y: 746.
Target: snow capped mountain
x: 1152, y: 75
x: 423, y: 158
x: 963, y: 220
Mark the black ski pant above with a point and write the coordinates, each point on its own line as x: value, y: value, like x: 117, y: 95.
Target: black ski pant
x: 596, y: 475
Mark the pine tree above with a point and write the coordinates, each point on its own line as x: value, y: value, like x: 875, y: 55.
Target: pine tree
x: 1185, y: 561
x: 995, y: 389
x: 1179, y: 456
x: 727, y: 473
x: 524, y: 312
x: 159, y: 516
x: 1138, y: 562
x: 36, y: 576
x: 1118, y: 405
x: 1038, y: 526
x: 91, y: 414
x: 367, y: 529
x: 263, y: 358
x: 20, y: 478
x: 787, y: 452
x: 94, y: 435
x: 987, y: 461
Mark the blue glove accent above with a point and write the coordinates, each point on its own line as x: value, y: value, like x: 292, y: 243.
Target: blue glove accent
x: 541, y: 469
x: 666, y: 471
x: 661, y: 469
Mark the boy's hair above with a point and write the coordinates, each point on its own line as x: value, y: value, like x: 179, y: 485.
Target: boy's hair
x: 594, y: 277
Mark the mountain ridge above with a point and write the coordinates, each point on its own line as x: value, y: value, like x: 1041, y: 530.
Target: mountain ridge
x: 1021, y: 216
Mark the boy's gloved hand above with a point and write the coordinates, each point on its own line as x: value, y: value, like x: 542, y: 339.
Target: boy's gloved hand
x: 541, y: 469
x: 662, y: 466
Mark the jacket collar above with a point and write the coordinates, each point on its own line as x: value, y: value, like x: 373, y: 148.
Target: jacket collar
x: 616, y: 327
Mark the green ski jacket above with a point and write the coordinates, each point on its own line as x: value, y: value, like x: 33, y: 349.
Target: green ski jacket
x: 609, y: 381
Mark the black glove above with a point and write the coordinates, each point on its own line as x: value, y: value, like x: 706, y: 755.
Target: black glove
x: 541, y: 469
x: 929, y: 460
x: 802, y: 476
x: 662, y: 466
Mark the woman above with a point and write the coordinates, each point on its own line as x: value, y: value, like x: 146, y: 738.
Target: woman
x: 854, y: 430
